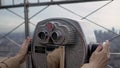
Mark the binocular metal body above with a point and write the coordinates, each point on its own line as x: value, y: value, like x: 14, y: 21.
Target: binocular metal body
x: 53, y: 33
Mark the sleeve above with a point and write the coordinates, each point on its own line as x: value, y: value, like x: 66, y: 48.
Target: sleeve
x: 12, y: 62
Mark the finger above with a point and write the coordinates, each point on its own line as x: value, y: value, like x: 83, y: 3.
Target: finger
x: 106, y: 46
x: 108, y: 50
x: 99, y: 48
x: 25, y: 44
x: 27, y: 41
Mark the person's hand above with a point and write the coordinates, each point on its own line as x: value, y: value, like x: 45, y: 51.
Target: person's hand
x: 23, y: 50
x: 100, y: 57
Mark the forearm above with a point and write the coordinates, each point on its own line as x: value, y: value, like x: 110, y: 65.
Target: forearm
x: 12, y: 62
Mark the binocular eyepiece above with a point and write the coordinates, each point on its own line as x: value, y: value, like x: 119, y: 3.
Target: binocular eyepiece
x: 43, y: 35
x: 54, y: 36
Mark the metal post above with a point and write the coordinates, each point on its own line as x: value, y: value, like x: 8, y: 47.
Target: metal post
x: 38, y: 1
x: 13, y: 2
x: 0, y: 3
x: 26, y: 10
x: 51, y: 0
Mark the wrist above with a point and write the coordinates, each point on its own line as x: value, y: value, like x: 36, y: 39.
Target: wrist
x: 94, y: 65
x: 88, y: 65
x: 18, y: 57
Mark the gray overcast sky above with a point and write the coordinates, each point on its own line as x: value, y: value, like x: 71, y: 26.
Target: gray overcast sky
x: 108, y: 16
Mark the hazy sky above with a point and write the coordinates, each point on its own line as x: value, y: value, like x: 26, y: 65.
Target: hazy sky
x: 108, y: 16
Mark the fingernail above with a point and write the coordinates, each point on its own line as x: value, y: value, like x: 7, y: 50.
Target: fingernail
x: 107, y: 40
x: 104, y: 44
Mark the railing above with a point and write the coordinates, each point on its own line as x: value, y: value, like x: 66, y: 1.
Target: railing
x: 27, y: 19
